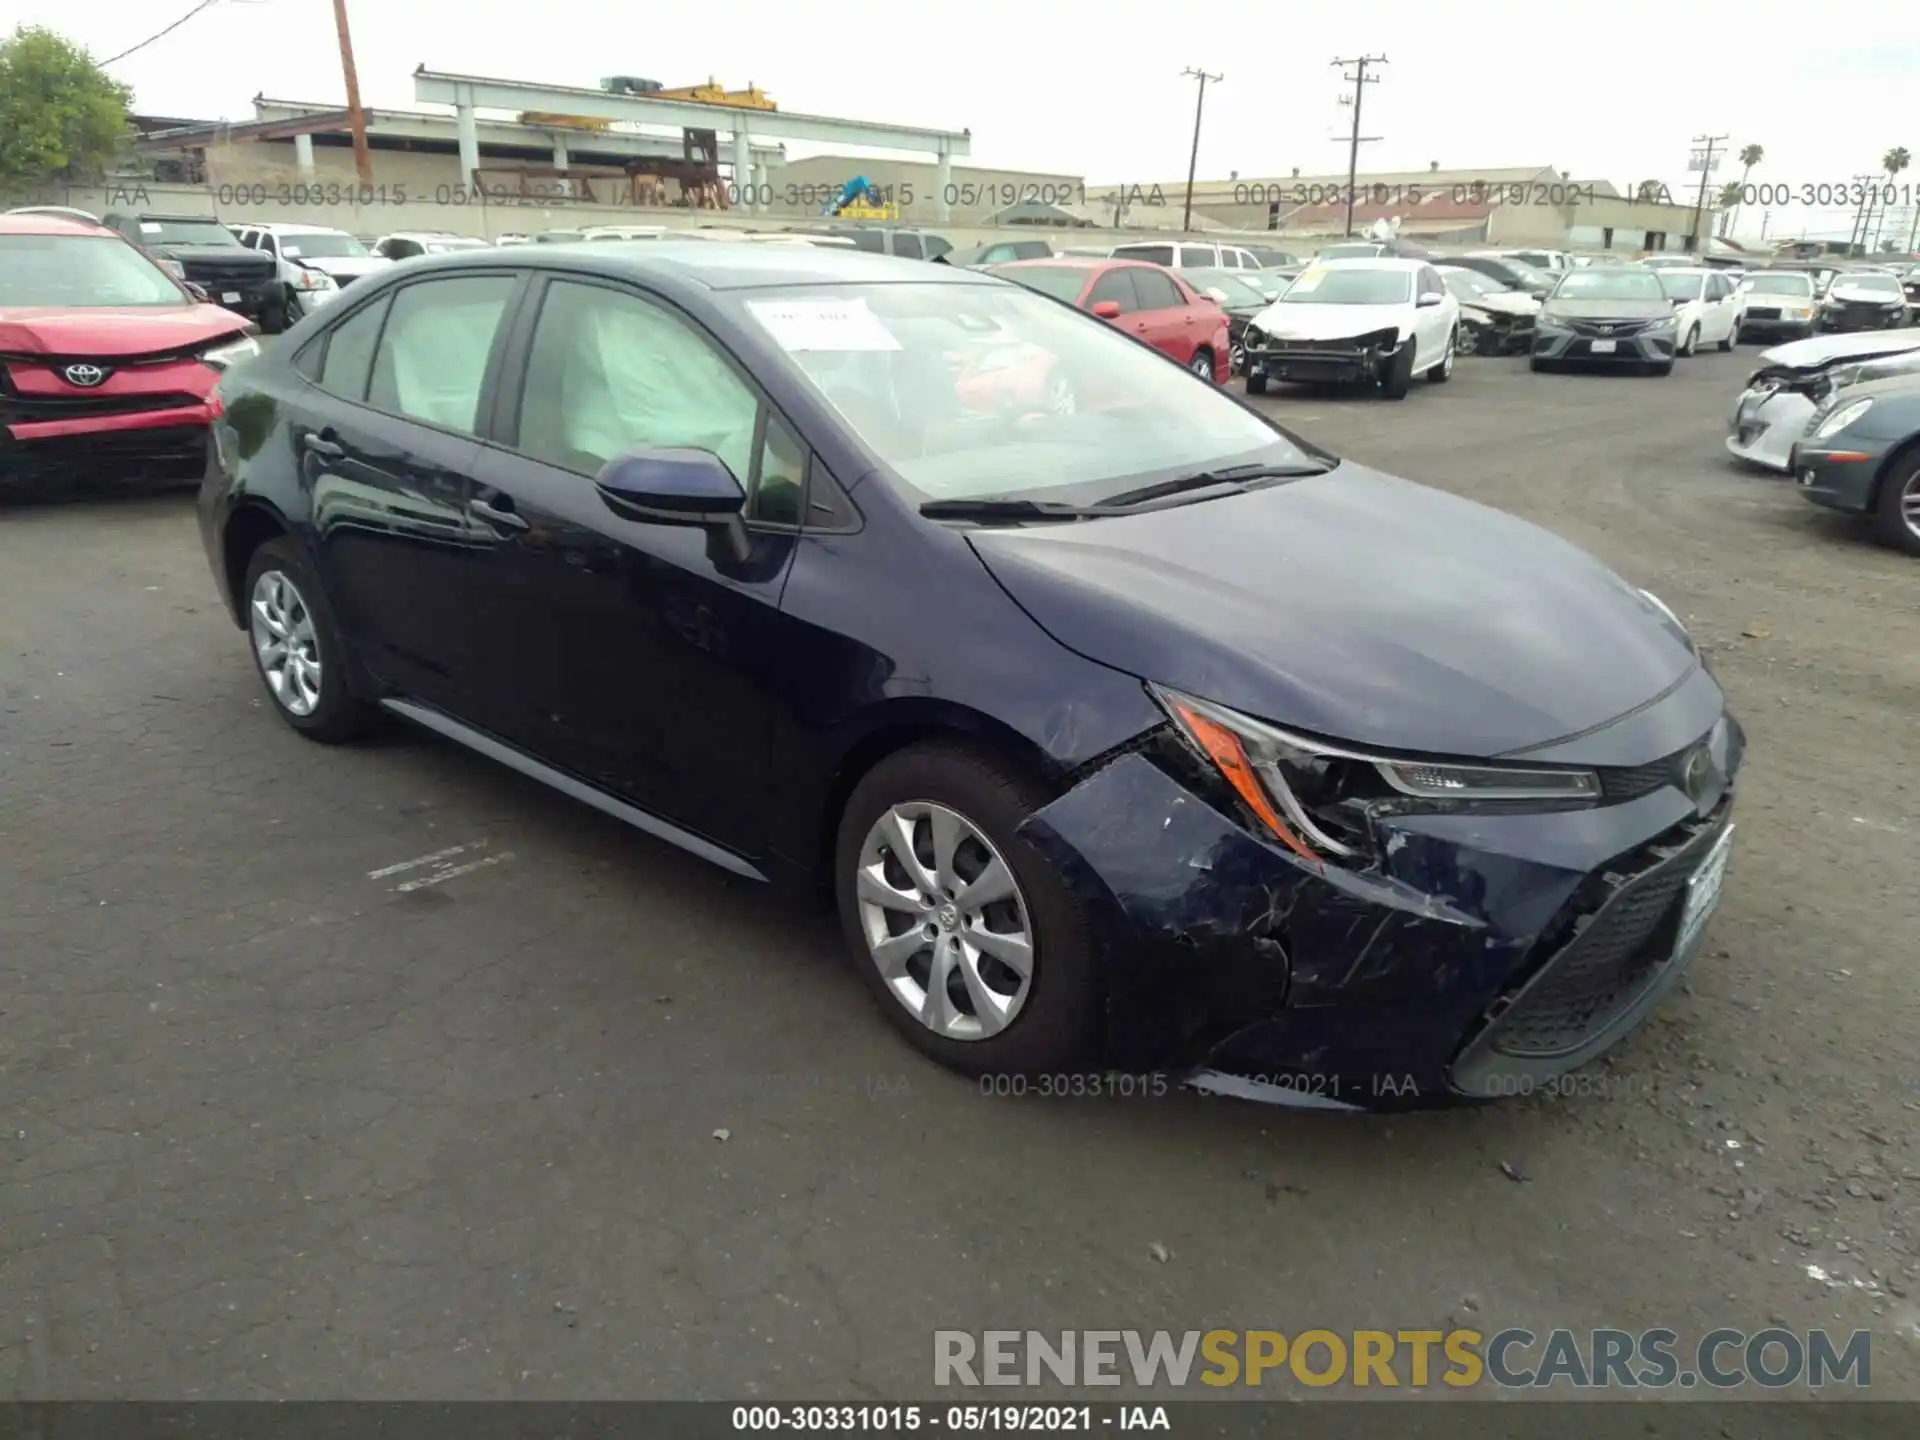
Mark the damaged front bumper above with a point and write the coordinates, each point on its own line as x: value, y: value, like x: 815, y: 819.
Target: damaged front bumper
x: 1768, y: 420
x: 1320, y: 362
x: 1485, y: 955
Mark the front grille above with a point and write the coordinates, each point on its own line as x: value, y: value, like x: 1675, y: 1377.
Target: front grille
x: 1620, y: 933
x: 1631, y: 782
x: 1607, y: 329
x: 28, y: 409
x: 1763, y: 313
x: 126, y: 459
x: 241, y: 272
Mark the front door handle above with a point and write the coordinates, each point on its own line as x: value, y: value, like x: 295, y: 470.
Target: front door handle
x: 498, y: 511
x: 320, y: 445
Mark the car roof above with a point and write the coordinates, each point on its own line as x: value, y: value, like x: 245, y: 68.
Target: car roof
x: 721, y: 264
x: 49, y: 225
x: 289, y: 227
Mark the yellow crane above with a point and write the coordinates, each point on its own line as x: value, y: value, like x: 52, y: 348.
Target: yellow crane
x: 713, y: 93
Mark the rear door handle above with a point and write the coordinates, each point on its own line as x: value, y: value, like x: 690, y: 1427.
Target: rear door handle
x: 498, y: 511
x: 320, y: 445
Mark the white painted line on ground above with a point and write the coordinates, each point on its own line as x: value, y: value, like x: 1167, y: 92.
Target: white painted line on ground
x: 418, y: 861
x: 452, y: 872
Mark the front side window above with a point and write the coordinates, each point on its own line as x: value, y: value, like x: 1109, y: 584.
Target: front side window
x: 610, y: 372
x: 432, y: 362
x: 1117, y: 286
x: 81, y: 270
x: 984, y: 390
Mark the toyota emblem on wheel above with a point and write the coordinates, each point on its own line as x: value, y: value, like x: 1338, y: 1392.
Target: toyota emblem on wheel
x: 85, y: 376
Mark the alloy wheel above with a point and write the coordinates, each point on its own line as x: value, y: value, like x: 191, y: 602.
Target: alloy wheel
x: 285, y: 643
x: 1910, y: 504
x: 1469, y: 340
x: 944, y: 921
x: 1202, y: 365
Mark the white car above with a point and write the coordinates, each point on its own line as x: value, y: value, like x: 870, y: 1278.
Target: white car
x: 316, y: 262
x: 1554, y: 262
x: 1796, y: 379
x: 1369, y: 322
x: 1780, y: 305
x: 1493, y: 319
x: 1187, y: 255
x: 1706, y: 307
x: 405, y: 244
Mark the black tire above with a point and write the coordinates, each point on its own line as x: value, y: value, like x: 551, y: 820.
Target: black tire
x: 1056, y: 1026
x: 1399, y: 377
x: 340, y: 715
x: 1733, y: 338
x: 1202, y: 354
x: 1256, y: 384
x: 1442, y: 371
x: 1889, y: 525
x: 1688, y: 343
x: 1468, y: 341
x: 273, y: 319
x: 1539, y: 366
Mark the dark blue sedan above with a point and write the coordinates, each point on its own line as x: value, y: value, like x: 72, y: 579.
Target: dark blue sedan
x: 1128, y: 731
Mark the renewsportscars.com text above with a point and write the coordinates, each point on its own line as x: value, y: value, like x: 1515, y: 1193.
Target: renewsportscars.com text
x: 1772, y: 1358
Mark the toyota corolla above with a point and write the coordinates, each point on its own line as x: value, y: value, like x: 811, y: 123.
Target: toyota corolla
x: 1134, y: 731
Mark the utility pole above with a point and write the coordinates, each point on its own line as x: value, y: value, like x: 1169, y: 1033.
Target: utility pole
x: 362, y: 159
x: 1193, y: 160
x: 1359, y: 79
x: 1706, y: 163
x: 1862, y: 211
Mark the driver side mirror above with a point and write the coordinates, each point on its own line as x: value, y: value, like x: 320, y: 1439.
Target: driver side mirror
x: 1107, y: 309
x: 199, y: 292
x: 672, y: 486
x: 1429, y: 298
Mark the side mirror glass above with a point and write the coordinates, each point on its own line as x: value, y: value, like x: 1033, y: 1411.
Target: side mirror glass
x: 199, y: 292
x: 671, y: 485
x: 1107, y: 309
x: 1429, y: 299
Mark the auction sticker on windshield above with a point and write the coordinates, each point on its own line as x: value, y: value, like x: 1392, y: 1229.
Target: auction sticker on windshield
x: 823, y: 325
x: 1309, y: 280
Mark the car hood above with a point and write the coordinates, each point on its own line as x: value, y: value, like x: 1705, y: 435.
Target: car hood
x: 1855, y: 294
x: 1824, y: 350
x: 97, y: 333
x: 1356, y: 606
x: 1613, y: 309
x: 348, y: 266
x: 1512, y: 302
x: 1298, y: 321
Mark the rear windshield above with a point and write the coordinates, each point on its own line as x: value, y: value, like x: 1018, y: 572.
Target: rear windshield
x: 93, y: 271
x: 1062, y: 282
x: 186, y: 232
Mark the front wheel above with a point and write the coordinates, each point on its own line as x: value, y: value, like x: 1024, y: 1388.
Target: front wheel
x: 1896, y: 519
x: 971, y: 941
x: 1202, y: 364
x: 1256, y: 384
x: 1399, y: 377
x: 1687, y: 342
x: 1731, y: 339
x: 1538, y: 366
x: 1468, y: 340
x: 1443, y: 372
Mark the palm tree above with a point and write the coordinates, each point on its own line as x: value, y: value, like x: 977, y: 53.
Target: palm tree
x: 1729, y: 201
x: 1893, y: 162
x: 1750, y: 156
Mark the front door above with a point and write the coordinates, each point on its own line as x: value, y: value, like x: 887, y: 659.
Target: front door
x: 633, y: 655
x: 1171, y: 325
x: 386, y: 444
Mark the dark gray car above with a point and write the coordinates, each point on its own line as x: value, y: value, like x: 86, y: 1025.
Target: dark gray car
x: 1613, y: 315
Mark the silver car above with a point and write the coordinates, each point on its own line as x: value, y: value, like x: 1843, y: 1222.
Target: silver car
x: 1795, y: 379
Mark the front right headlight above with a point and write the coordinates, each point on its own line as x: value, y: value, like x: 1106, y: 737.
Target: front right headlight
x: 1550, y: 321
x: 1315, y: 797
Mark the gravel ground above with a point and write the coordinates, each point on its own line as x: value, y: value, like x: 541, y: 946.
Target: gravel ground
x: 592, y: 1119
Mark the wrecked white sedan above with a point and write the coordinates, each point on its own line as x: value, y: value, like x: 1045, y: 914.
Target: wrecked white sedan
x: 1795, y: 379
x: 1371, y: 322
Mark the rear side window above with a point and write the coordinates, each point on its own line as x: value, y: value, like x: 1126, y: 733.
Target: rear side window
x: 432, y: 359
x: 346, y: 362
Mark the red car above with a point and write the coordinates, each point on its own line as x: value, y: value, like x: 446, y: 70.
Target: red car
x: 1141, y: 299
x: 107, y: 363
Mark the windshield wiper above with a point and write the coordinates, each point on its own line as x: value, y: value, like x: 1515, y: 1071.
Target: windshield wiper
x: 1237, y: 476
x: 1010, y: 510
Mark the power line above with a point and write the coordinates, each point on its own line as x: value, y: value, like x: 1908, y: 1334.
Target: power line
x: 161, y: 35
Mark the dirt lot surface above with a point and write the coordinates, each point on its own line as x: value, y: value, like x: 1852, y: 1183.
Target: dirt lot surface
x: 280, y: 1122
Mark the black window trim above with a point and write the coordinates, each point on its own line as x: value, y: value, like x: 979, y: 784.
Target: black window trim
x: 485, y: 404
x: 502, y: 431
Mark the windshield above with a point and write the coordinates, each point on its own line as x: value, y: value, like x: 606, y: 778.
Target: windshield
x: 1358, y: 285
x: 321, y: 246
x: 93, y: 271
x: 977, y: 391
x: 1271, y: 284
x: 1229, y: 287
x: 1888, y: 283
x: 1783, y: 284
x: 1466, y: 284
x: 187, y: 232
x: 1610, y: 285
x: 1679, y: 285
x: 1062, y: 282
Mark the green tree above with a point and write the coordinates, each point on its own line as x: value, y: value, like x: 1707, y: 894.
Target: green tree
x: 1750, y: 156
x: 1893, y: 162
x: 60, y: 114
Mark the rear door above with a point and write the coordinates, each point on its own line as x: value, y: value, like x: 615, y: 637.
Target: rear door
x: 631, y: 654
x: 1170, y: 324
x: 387, y: 438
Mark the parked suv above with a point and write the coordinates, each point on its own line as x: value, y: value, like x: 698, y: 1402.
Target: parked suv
x: 1188, y: 255
x: 205, y: 253
x: 316, y: 262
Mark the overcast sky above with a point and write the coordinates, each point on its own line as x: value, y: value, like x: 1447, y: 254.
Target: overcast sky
x: 1613, y: 90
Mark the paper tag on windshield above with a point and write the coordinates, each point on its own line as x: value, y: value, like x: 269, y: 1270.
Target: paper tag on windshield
x: 823, y: 325
x: 147, y: 227
x: 1309, y: 279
